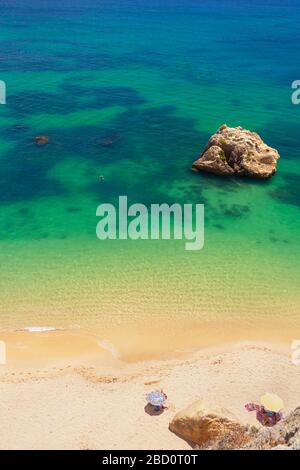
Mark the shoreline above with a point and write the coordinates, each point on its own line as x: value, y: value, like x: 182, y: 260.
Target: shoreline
x: 135, y: 344
x: 69, y: 406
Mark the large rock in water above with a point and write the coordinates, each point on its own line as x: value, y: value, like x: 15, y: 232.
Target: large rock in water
x: 210, y: 427
x: 236, y: 151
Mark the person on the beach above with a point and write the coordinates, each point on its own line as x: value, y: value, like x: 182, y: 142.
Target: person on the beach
x: 157, y: 399
x: 265, y: 417
x: 163, y: 406
x: 268, y: 418
x: 269, y: 412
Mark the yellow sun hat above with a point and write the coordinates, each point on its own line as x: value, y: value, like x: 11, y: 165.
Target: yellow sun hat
x: 272, y: 402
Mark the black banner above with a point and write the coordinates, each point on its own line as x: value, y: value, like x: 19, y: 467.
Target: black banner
x: 136, y: 459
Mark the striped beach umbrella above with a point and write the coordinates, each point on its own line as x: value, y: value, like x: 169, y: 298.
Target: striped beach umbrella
x: 156, y: 398
x: 272, y: 402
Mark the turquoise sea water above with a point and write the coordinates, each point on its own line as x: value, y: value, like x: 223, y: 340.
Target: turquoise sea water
x: 132, y: 90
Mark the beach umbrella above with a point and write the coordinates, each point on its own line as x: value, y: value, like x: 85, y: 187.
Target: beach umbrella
x: 272, y: 402
x: 156, y: 398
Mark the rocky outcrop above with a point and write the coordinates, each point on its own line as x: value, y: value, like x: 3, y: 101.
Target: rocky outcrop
x: 210, y: 427
x: 284, y: 436
x: 41, y: 139
x: 237, y: 151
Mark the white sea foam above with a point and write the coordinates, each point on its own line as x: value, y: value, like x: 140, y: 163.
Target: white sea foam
x: 108, y: 346
x: 41, y: 329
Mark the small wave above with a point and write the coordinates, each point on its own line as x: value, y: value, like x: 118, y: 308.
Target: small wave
x: 108, y: 346
x: 41, y: 329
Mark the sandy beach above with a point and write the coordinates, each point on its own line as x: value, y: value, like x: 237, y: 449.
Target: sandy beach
x: 92, y: 404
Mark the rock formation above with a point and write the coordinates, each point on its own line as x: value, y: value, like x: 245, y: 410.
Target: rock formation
x: 41, y: 139
x: 284, y: 436
x: 210, y: 427
x: 237, y: 151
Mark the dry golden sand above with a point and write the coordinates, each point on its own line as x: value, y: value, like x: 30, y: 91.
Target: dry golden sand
x: 92, y: 402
